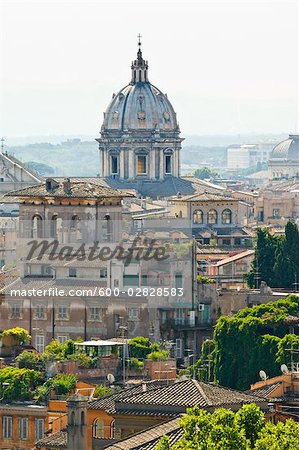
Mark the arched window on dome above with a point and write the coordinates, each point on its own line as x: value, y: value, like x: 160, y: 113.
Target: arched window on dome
x: 226, y: 216
x: 212, y: 217
x: 98, y: 429
x: 198, y: 216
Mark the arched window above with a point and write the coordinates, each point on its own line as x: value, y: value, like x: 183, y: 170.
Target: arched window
x: 72, y: 419
x: 98, y: 429
x: 36, y: 226
x: 53, y: 226
x: 226, y: 216
x: 168, y: 164
x: 198, y: 216
x: 114, y: 164
x: 212, y: 217
x: 108, y: 226
x: 112, y: 430
x: 82, y: 418
x: 74, y: 222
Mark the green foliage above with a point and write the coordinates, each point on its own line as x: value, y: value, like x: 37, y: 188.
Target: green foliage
x: 63, y: 383
x: 163, y: 444
x: 205, y: 364
x: 252, y: 340
x: 21, y: 335
x: 250, y: 419
x: 276, y: 258
x: 159, y: 355
x: 18, y: 384
x: 205, y: 172
x: 225, y: 430
x: 204, y: 280
x: 283, y: 356
x: 135, y: 364
x: 83, y: 361
x: 101, y: 391
x: 283, y: 436
x: 140, y: 347
x: 28, y: 360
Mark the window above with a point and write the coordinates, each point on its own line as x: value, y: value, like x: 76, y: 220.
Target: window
x: 141, y: 164
x: 178, y: 280
x: 198, y: 216
x: 144, y: 280
x: 40, y: 343
x: 36, y: 227
x: 62, y: 312
x: 103, y: 273
x: 23, y: 428
x: 95, y: 313
x: 98, y: 429
x: 7, y: 427
x: 212, y: 216
x: 276, y: 212
x: 53, y: 226
x: 15, y: 311
x: 74, y: 222
x: 61, y: 339
x: 131, y: 280
x: 179, y: 317
x: 133, y: 313
x: 168, y: 164
x: 46, y: 271
x: 226, y: 216
x: 72, y: 272
x: 114, y: 165
x: 39, y: 312
x: 237, y: 241
x: 226, y: 241
x: 39, y: 429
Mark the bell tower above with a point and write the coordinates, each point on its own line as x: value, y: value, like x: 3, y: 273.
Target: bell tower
x: 77, y: 422
x: 139, y: 67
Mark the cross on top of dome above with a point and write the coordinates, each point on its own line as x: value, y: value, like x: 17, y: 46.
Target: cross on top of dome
x: 139, y: 66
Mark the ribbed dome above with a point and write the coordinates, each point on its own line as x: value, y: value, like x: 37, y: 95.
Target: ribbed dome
x: 140, y: 106
x: 287, y: 149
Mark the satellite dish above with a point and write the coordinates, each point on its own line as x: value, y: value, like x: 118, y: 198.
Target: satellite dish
x: 110, y: 378
x: 284, y: 368
x: 263, y: 375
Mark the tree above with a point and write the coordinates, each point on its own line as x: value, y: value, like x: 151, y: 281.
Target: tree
x: 283, y: 436
x: 18, y: 384
x: 63, y: 383
x: 101, y: 391
x: 205, y: 172
x: 250, y: 419
x: 20, y: 334
x: 163, y: 444
x: 250, y: 341
x: 28, y: 360
x: 139, y: 347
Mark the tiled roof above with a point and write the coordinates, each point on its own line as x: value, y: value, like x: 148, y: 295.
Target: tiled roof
x: 205, y: 197
x: 148, y: 439
x: 55, y: 440
x: 185, y: 394
x: 78, y: 189
x: 170, y: 398
x: 266, y: 390
x: 7, y: 277
x: 108, y: 403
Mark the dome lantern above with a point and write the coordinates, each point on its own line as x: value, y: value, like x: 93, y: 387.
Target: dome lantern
x: 139, y: 67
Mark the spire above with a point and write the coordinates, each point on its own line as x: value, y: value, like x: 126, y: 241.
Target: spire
x: 139, y: 66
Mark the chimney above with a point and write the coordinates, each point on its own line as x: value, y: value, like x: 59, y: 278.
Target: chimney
x: 67, y: 185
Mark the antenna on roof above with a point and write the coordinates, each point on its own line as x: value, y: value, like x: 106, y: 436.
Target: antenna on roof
x: 263, y: 375
x: 284, y: 368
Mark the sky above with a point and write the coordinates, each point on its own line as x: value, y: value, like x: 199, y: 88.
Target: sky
x: 227, y: 66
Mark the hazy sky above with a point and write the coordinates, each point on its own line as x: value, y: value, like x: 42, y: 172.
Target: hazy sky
x: 227, y: 67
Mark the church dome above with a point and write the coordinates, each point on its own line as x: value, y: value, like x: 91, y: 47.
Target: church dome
x: 287, y: 149
x: 140, y: 105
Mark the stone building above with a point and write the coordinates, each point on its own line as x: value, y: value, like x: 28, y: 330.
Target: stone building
x: 284, y: 159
